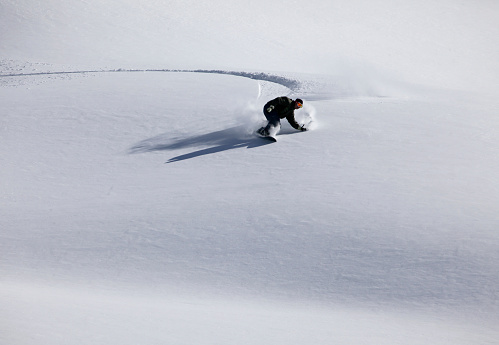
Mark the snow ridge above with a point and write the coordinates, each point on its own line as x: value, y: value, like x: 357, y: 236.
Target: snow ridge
x: 290, y: 83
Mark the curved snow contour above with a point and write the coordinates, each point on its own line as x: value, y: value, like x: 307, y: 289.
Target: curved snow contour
x: 291, y: 84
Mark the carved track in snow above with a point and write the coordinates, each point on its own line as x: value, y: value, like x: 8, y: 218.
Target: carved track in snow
x: 290, y: 83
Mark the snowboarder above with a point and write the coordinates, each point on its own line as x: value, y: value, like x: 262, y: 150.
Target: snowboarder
x: 277, y: 109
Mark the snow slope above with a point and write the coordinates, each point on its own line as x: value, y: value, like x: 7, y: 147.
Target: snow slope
x: 137, y: 206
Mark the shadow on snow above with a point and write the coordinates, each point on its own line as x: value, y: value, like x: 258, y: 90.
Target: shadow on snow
x: 218, y: 141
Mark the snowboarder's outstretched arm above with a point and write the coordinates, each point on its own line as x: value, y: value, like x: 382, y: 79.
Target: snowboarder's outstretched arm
x: 294, y: 124
x: 292, y: 121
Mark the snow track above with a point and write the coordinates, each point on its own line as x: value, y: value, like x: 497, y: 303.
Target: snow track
x: 292, y: 84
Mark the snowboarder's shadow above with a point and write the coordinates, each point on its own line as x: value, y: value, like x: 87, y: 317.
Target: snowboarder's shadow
x: 218, y: 141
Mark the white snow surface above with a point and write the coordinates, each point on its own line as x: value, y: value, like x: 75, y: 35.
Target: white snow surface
x: 138, y: 206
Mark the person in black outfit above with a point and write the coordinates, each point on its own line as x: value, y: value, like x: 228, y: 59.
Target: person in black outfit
x: 280, y: 108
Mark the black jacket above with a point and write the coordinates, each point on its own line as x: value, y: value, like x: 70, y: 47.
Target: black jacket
x: 285, y: 108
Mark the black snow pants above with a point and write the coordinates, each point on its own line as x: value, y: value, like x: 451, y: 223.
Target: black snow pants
x: 273, y: 119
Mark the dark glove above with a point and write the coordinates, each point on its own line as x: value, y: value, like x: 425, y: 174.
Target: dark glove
x: 302, y: 128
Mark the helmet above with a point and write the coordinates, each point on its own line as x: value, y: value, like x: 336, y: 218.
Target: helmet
x: 299, y: 102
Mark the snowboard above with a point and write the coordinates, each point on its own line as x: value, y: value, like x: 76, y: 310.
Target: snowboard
x: 266, y: 137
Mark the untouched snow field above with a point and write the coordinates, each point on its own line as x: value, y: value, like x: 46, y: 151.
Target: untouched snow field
x: 137, y: 206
